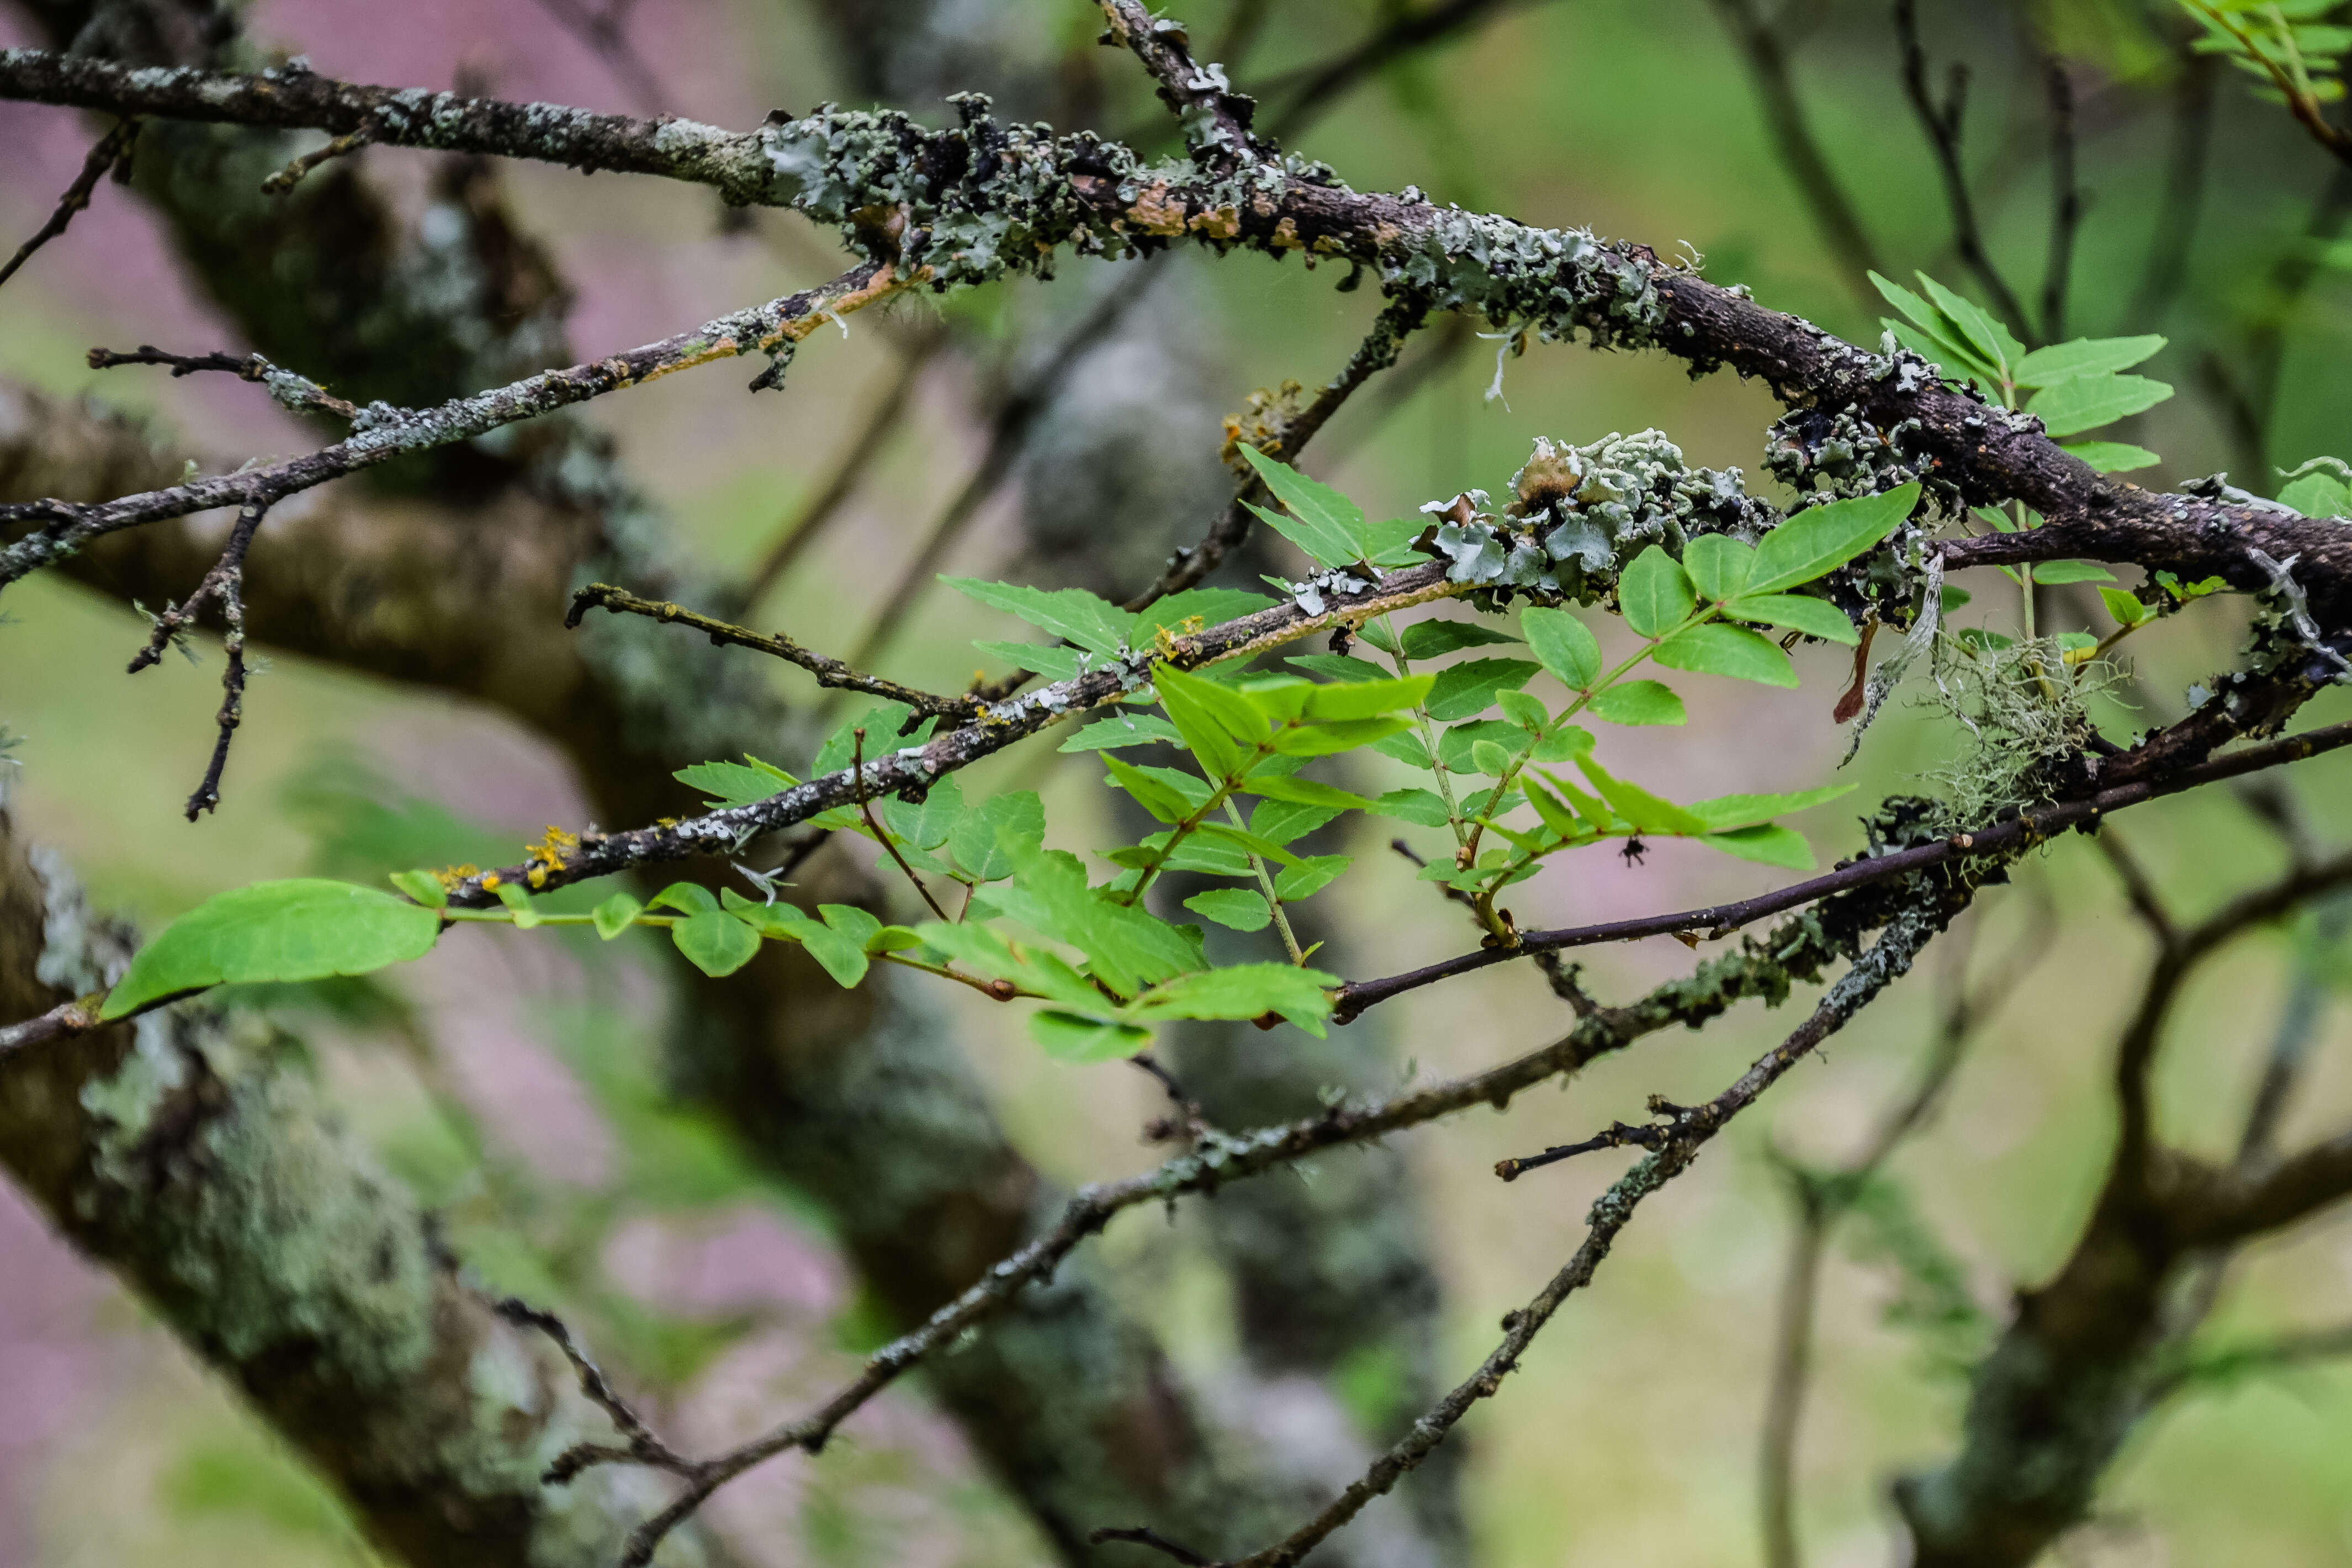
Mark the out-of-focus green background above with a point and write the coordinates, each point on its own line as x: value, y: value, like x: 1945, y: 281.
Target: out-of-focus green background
x: 1629, y: 1438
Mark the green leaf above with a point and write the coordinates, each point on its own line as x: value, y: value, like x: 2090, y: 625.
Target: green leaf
x: 2091, y: 401
x: 1236, y: 907
x: 927, y: 827
x: 1368, y: 698
x: 1407, y: 748
x: 2054, y: 571
x: 715, y: 941
x: 1309, y: 877
x: 686, y: 897
x: 1125, y: 948
x: 1714, y: 648
x: 1086, y: 619
x: 1070, y: 1037
x: 1565, y: 644
x: 2072, y: 642
x: 1527, y: 712
x: 1458, y: 747
x: 1302, y: 792
x: 736, y: 784
x: 2084, y: 356
x: 1048, y: 659
x: 1818, y: 540
x: 1211, y: 606
x: 613, y: 915
x: 1327, y: 522
x: 1654, y: 594
x: 1389, y: 543
x: 1568, y: 742
x: 303, y: 928
x: 1245, y: 840
x: 1421, y: 806
x: 1649, y: 813
x: 1637, y: 702
x: 881, y: 723
x: 1556, y: 814
x: 1336, y: 666
x: 423, y: 887
x: 1123, y: 729
x: 1244, y: 991
x: 518, y: 901
x: 1280, y: 822
x: 893, y: 938
x: 2124, y: 606
x: 1719, y: 565
x: 1216, y: 722
x: 1490, y: 759
x: 859, y: 926
x: 1435, y: 639
x: 1464, y: 689
x: 1797, y: 613
x: 2318, y: 494
x: 1769, y: 844
x: 1155, y: 794
x: 1986, y: 335
x: 1957, y: 362
x: 1933, y: 335
x: 1727, y: 812
x: 2112, y: 457
x: 1346, y: 735
x: 977, y: 842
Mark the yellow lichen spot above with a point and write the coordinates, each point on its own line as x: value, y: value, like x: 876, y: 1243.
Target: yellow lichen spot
x: 450, y: 876
x: 1154, y: 214
x: 490, y: 883
x: 1220, y: 223
x: 554, y: 848
x: 536, y: 877
x: 1286, y: 235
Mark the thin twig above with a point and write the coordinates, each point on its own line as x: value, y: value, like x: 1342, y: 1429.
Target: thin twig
x: 1140, y: 1536
x: 1313, y: 89
x: 299, y: 169
x: 829, y: 671
x: 888, y: 841
x: 1692, y: 1128
x: 1943, y: 125
x: 298, y: 393
x: 2173, y: 237
x: 224, y: 585
x: 643, y: 1447
x: 112, y: 151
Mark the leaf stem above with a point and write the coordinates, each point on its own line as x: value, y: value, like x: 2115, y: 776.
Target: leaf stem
x: 1266, y: 884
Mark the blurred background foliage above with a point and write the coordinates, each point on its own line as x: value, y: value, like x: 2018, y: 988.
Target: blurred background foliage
x: 515, y: 1081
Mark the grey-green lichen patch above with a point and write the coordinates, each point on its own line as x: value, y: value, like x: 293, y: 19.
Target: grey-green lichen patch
x: 1579, y: 514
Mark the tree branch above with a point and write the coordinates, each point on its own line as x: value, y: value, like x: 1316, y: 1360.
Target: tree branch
x: 112, y: 151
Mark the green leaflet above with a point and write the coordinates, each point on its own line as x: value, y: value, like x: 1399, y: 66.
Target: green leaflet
x: 1086, y: 619
x: 736, y: 784
x: 716, y: 941
x: 2089, y: 402
x: 2055, y: 572
x: 1768, y: 844
x: 1719, y: 566
x: 1053, y: 662
x: 977, y: 839
x: 1565, y: 644
x: 1655, y: 594
x: 1336, y: 666
x: 1727, y: 812
x: 1715, y: 648
x: 1309, y: 877
x: 302, y: 929
x: 2082, y: 357
x: 1243, y: 991
x: 1281, y: 821
x: 1435, y: 639
x: 1071, y: 1037
x: 927, y: 827
x: 1236, y: 907
x: 1127, y: 948
x: 613, y: 915
x: 1122, y: 728
x: 1465, y: 689
x: 881, y: 723
x: 1819, y: 540
x: 1637, y: 702
x: 1797, y: 613
x: 1647, y: 812
x: 2112, y: 457
x: 1421, y: 806
x: 1329, y: 526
